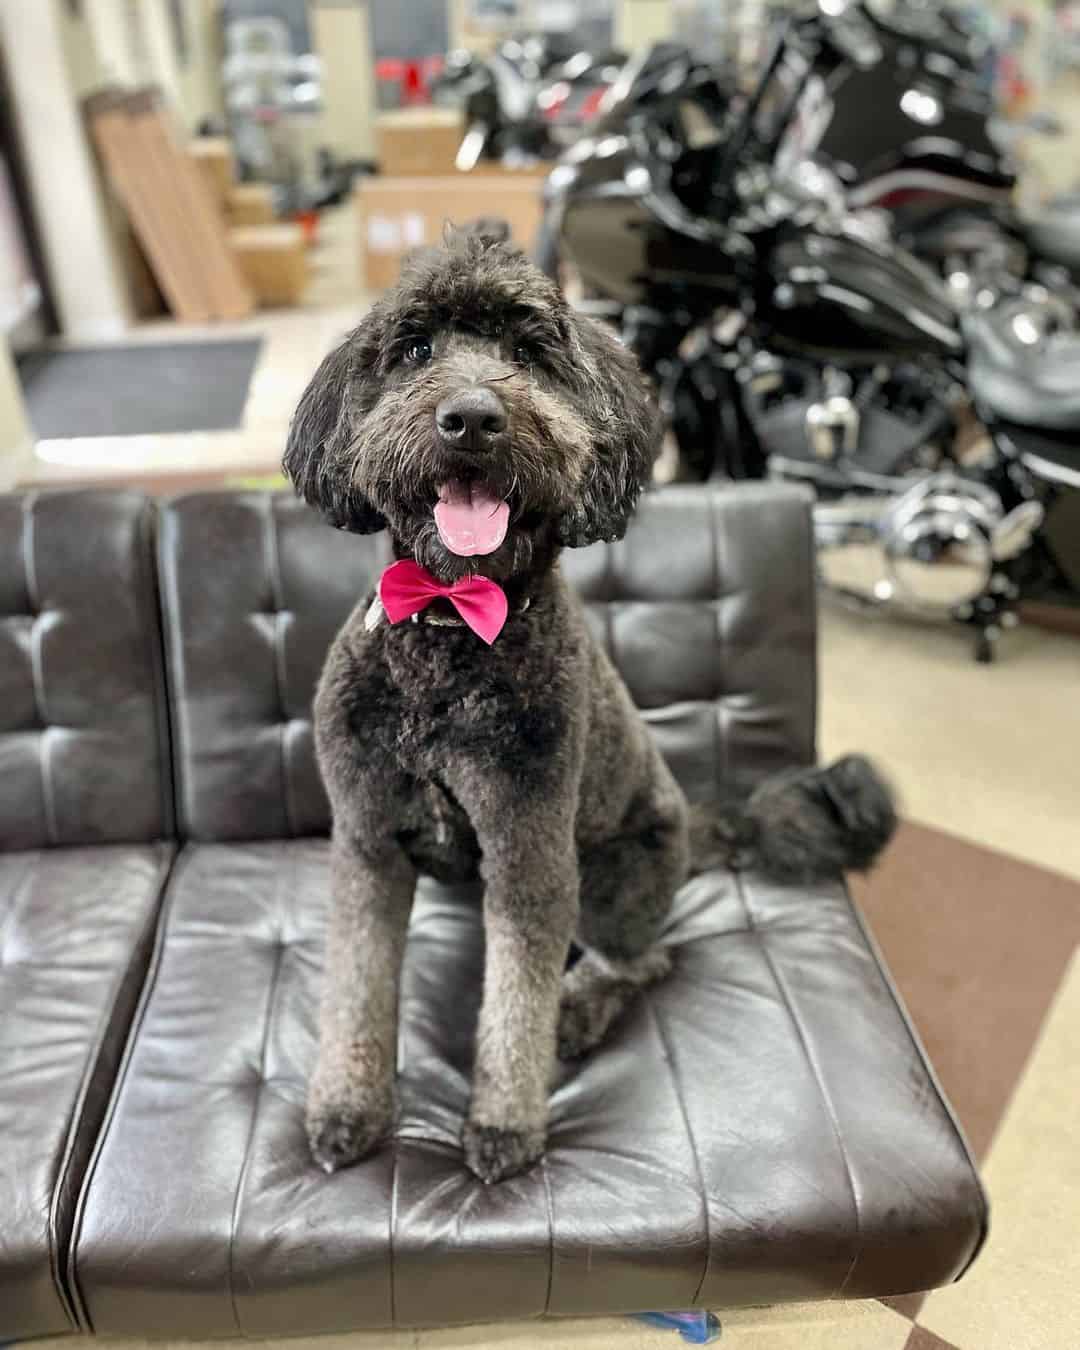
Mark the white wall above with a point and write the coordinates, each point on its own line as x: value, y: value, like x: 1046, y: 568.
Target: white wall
x: 68, y: 206
x: 16, y: 439
x: 341, y: 36
x: 164, y: 67
x: 200, y: 79
x: 640, y: 23
x: 114, y: 46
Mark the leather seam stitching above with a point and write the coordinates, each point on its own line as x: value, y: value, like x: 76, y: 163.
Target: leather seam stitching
x: 609, y: 602
x: 37, y: 675
x: 392, y: 1225
x: 271, y: 1001
x: 812, y: 596
x: 175, y: 673
x: 274, y: 568
x: 818, y: 1076
x: 676, y: 1082
x: 7, y: 928
x: 54, y: 1254
x: 173, y: 863
x: 148, y: 606
x: 90, y: 1064
x: 720, y: 758
x: 550, y: 1206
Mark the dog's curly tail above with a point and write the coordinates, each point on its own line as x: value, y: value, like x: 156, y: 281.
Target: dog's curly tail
x: 801, y: 826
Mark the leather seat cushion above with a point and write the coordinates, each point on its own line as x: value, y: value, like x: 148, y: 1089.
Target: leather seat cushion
x: 76, y: 927
x: 761, y: 1127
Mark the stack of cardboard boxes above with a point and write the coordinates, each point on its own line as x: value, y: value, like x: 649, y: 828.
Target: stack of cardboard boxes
x: 418, y: 190
x: 271, y: 254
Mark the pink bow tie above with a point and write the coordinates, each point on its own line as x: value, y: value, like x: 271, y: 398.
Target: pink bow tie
x: 405, y: 588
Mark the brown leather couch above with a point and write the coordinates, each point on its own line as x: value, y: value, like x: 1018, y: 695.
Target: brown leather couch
x: 763, y: 1127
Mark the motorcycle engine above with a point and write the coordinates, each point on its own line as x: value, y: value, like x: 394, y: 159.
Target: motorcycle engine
x: 838, y: 431
x: 934, y: 548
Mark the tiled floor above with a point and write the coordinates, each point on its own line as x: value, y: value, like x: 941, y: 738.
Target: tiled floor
x: 991, y: 753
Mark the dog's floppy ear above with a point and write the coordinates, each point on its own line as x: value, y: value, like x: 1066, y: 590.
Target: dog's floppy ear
x: 626, y: 431
x: 318, y: 458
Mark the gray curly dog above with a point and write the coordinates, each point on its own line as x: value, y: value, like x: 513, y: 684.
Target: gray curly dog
x: 473, y: 396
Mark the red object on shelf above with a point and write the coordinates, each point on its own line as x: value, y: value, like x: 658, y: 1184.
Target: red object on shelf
x: 413, y: 78
x: 413, y: 89
x: 389, y: 68
x: 309, y: 225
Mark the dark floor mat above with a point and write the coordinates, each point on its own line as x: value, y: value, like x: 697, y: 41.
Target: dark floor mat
x: 135, y: 391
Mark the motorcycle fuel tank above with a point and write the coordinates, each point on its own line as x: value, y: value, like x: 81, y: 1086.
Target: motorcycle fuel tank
x: 630, y: 244
x: 844, y: 298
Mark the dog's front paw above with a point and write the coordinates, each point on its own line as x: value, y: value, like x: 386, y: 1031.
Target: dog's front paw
x: 494, y: 1153
x: 339, y: 1137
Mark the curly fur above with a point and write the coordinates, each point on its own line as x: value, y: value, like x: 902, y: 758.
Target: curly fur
x: 526, y: 762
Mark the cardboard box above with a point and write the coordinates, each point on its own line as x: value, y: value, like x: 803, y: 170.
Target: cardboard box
x: 532, y: 168
x: 273, y: 260
x: 414, y: 141
x: 214, y: 156
x: 396, y: 215
x: 251, y: 204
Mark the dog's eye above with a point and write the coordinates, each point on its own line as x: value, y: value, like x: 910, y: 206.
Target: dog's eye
x: 523, y: 355
x: 417, y: 351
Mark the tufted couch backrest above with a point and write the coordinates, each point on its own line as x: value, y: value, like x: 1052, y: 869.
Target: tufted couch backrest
x: 707, y: 608
x: 84, y: 756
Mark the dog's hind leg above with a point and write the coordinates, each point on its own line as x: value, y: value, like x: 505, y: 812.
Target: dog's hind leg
x: 627, y: 886
x: 596, y: 992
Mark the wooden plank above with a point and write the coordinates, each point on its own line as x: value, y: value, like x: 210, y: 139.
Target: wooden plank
x: 164, y: 192
x: 112, y: 134
x: 195, y: 216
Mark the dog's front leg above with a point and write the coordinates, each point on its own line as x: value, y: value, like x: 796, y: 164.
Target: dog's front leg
x: 529, y: 918
x: 530, y: 913
x: 351, y: 1096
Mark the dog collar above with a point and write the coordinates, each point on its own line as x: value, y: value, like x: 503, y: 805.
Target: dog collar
x: 408, y: 591
x: 434, y: 618
x: 376, y: 615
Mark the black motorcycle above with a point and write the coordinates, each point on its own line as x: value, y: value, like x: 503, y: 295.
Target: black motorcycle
x: 897, y: 105
x: 786, y: 337
x: 529, y: 99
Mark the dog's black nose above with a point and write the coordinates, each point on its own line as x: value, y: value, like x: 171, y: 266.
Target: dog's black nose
x: 471, y: 419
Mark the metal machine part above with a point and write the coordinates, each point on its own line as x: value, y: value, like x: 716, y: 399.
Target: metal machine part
x: 940, y: 548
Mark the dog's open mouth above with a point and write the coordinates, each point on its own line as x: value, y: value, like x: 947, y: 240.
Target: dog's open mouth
x: 470, y: 519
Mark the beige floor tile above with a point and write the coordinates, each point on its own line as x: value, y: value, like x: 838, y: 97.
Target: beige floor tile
x: 830, y: 1326
x: 1024, y: 1291
x: 816, y: 1326
x: 579, y: 1333
x: 991, y: 753
x: 357, y: 1340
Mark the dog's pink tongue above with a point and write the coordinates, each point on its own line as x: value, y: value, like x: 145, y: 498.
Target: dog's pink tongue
x: 469, y: 519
